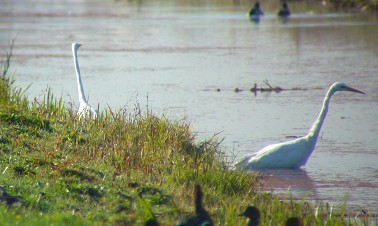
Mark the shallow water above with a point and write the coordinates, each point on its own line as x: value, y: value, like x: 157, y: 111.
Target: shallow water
x: 178, y: 54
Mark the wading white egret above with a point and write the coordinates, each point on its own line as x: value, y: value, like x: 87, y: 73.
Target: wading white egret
x: 294, y: 153
x: 85, y: 110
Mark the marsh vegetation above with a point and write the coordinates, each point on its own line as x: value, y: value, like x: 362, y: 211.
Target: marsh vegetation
x: 59, y: 170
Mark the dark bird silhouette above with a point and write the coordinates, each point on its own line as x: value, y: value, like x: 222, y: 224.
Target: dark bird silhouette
x: 293, y: 221
x: 152, y: 222
x: 253, y: 215
x: 256, y: 10
x: 9, y: 199
x: 201, y: 216
x: 285, y: 11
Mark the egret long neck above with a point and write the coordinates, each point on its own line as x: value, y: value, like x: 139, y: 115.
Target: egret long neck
x: 315, y: 129
x: 80, y: 88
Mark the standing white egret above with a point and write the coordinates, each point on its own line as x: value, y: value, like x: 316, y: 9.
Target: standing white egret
x: 294, y: 153
x: 85, y: 110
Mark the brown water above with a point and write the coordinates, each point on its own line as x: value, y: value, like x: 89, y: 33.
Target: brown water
x: 178, y: 53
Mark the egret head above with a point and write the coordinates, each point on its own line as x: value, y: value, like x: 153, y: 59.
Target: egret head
x: 75, y: 46
x: 339, y: 86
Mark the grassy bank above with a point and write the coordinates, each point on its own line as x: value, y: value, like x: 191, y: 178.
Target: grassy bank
x: 357, y: 5
x: 58, y: 170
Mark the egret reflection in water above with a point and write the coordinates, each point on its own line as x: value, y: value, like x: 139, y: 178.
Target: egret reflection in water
x: 296, y: 180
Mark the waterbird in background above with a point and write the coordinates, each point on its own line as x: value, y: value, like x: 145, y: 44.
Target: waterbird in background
x: 253, y: 215
x: 85, y: 110
x: 294, y: 153
x: 201, y: 216
x: 256, y: 11
x: 285, y: 11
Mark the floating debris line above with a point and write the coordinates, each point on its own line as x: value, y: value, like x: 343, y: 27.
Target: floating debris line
x: 270, y: 88
x: 267, y: 88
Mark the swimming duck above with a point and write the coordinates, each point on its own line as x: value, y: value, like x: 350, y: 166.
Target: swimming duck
x: 285, y: 11
x: 256, y: 11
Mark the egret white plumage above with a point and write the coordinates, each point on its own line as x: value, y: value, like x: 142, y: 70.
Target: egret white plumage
x: 85, y: 110
x: 294, y: 153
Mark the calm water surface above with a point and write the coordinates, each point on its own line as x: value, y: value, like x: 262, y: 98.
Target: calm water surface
x: 179, y: 55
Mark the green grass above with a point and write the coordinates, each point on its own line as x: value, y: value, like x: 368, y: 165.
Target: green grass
x: 116, y: 169
x: 359, y: 5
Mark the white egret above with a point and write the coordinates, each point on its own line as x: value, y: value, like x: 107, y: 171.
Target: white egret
x: 294, y: 153
x: 85, y: 110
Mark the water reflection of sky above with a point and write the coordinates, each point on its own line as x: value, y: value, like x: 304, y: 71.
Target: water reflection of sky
x: 179, y: 55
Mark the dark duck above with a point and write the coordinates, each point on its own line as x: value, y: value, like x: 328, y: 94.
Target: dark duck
x: 201, y: 217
